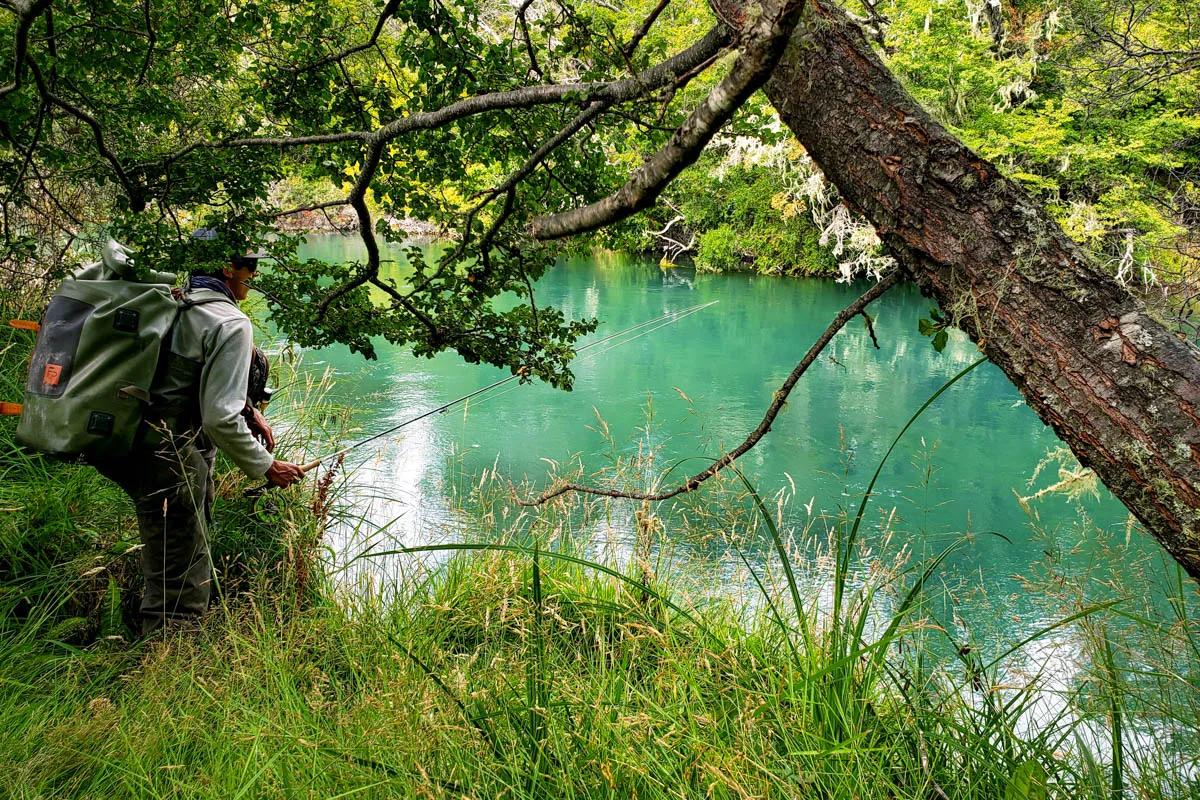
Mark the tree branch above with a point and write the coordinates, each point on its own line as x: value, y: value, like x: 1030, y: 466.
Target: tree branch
x: 384, y: 16
x: 29, y: 152
x: 370, y: 273
x: 151, y: 39
x: 26, y: 13
x: 526, y: 97
x: 765, y: 41
x: 538, y: 156
x: 313, y: 207
x: 780, y: 398
x: 533, y: 62
x: 135, y: 193
x: 358, y: 201
x: 642, y: 30
x: 590, y: 113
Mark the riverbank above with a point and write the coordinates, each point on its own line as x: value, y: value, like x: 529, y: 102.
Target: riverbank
x: 527, y: 660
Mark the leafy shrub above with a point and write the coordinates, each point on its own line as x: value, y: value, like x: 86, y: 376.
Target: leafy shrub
x: 718, y: 250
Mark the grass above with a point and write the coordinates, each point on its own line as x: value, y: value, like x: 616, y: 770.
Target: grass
x: 525, y: 662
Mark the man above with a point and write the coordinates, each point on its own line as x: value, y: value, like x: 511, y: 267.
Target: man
x: 197, y: 406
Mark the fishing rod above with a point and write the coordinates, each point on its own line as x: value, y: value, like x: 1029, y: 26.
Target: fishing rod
x: 596, y: 354
x: 663, y: 320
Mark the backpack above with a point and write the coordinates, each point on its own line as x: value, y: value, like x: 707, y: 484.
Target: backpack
x: 96, y: 357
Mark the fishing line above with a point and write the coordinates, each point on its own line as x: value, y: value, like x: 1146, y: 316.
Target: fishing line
x: 654, y: 324
x: 593, y: 356
x: 658, y: 322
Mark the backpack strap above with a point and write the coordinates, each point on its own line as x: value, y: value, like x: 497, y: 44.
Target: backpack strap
x: 184, y: 303
x: 164, y: 354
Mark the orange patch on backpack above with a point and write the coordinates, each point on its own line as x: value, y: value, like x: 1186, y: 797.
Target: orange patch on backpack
x: 51, y: 374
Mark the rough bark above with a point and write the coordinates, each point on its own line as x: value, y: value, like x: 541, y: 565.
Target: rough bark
x: 1117, y: 386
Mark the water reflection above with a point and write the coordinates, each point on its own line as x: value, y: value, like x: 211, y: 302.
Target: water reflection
x: 697, y: 387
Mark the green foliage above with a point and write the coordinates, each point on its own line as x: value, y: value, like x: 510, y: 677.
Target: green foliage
x: 1106, y: 143
x: 1112, y: 151
x: 745, y: 217
x: 718, y: 250
x: 937, y: 327
x: 124, y: 119
x: 169, y: 85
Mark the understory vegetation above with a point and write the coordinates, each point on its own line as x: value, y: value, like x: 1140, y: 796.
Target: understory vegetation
x: 532, y: 657
x: 1091, y: 105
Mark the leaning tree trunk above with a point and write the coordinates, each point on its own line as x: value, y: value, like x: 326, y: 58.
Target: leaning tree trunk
x: 1116, y: 385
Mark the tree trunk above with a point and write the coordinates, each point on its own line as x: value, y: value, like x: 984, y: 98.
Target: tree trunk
x: 1116, y: 385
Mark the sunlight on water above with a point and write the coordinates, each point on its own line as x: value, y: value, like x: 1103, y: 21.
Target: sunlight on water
x: 697, y: 387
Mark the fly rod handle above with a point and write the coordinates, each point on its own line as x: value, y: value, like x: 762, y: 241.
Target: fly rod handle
x: 257, y: 491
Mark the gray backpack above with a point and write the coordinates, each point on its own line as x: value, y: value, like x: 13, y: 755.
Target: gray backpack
x: 96, y: 357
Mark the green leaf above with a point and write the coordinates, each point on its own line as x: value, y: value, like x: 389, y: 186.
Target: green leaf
x: 1028, y: 782
x: 70, y: 628
x: 110, y: 612
x: 939, y: 341
x: 926, y: 327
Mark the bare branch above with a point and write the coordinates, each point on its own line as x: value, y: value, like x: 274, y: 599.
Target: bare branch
x: 407, y: 305
x: 765, y: 40
x: 313, y: 207
x: 44, y: 185
x: 641, y: 32
x: 384, y: 16
x: 549, y: 146
x: 358, y: 201
x: 133, y: 191
x: 26, y: 13
x: 1121, y: 60
x: 590, y: 113
x: 780, y: 398
x: 673, y: 248
x: 29, y: 153
x: 151, y: 39
x: 485, y: 244
x: 533, y: 62
x: 370, y: 272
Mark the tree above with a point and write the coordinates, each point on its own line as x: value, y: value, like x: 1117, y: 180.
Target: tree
x: 506, y: 122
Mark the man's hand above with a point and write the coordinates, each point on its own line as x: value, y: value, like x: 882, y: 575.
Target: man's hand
x: 259, y: 427
x: 284, y: 473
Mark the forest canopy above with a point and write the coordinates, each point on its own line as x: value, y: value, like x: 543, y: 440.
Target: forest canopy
x: 125, y: 120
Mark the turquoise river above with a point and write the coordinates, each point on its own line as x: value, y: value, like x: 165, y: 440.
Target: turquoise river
x: 699, y: 386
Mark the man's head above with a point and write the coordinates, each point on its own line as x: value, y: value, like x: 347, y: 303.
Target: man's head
x: 238, y: 273
x: 239, y: 270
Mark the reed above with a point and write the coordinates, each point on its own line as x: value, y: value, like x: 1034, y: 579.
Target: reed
x: 530, y: 659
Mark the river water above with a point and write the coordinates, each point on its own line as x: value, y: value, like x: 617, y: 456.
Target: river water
x: 698, y: 386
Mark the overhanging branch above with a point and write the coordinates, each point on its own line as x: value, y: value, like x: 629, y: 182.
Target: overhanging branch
x: 384, y: 16
x: 26, y: 13
x: 526, y: 97
x: 780, y: 398
x: 764, y: 42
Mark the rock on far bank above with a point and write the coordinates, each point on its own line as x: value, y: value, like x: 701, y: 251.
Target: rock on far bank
x: 345, y: 221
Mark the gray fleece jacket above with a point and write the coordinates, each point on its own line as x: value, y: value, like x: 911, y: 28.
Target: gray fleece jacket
x: 210, y: 362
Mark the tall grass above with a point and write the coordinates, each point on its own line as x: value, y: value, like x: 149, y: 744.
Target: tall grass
x: 530, y: 660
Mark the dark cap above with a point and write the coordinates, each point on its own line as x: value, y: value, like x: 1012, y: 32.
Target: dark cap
x: 214, y: 235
